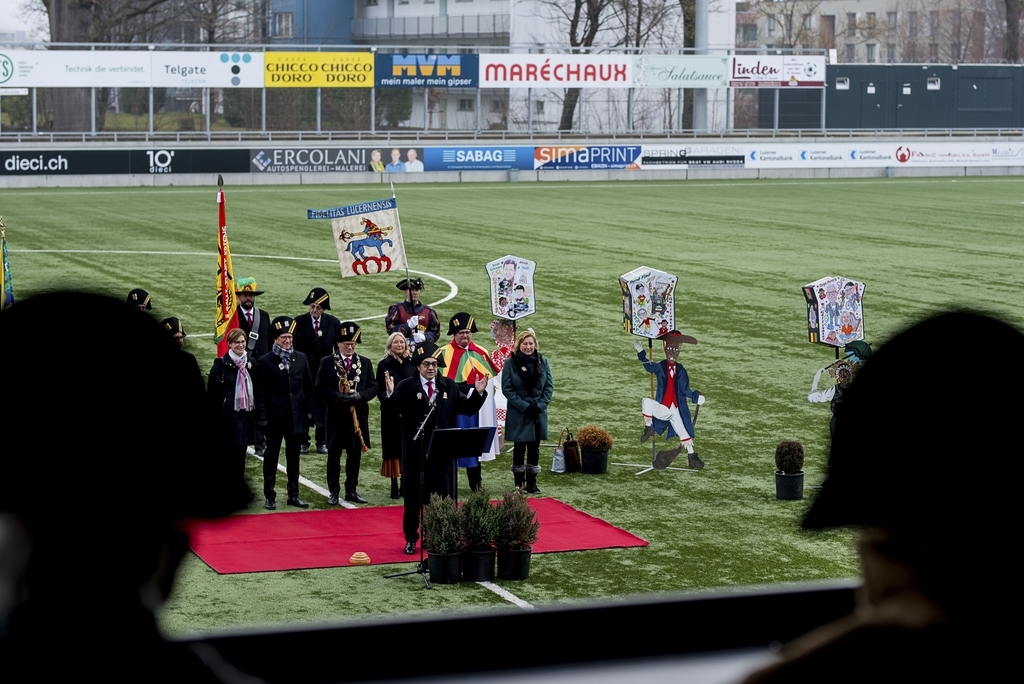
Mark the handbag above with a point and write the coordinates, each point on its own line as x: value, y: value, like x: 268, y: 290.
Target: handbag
x: 569, y: 451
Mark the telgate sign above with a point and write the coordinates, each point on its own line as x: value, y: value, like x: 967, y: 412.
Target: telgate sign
x: 556, y: 71
x: 478, y: 158
x: 420, y: 71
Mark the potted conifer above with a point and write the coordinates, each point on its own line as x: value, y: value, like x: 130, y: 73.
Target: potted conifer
x: 478, y: 522
x: 789, y: 474
x: 517, y: 533
x: 594, y: 444
x: 441, y: 540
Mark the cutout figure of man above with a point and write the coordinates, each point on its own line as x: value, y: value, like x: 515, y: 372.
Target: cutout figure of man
x: 667, y: 409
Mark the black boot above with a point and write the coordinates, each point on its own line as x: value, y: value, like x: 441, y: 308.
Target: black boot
x: 519, y: 473
x: 531, y: 479
x: 394, y: 488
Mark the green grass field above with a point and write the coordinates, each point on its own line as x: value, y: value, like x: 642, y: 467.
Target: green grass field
x: 741, y: 249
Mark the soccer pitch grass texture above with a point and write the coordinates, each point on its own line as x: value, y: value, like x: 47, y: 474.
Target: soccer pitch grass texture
x: 741, y: 249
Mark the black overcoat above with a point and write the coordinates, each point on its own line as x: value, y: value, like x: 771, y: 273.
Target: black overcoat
x: 233, y: 428
x: 283, y: 396
x: 340, y: 427
x: 390, y: 421
x: 314, y: 346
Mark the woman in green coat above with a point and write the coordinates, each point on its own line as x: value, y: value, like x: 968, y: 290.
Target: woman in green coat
x: 526, y: 384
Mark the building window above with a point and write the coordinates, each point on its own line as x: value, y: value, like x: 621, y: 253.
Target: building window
x: 284, y: 24
x: 933, y: 23
x: 871, y: 21
x: 890, y: 53
x: 954, y: 52
x: 538, y: 107
x: 933, y: 52
x: 370, y: 3
x: 806, y: 23
x: 497, y: 106
x: 771, y: 26
x: 827, y: 30
x: 466, y: 104
x: 851, y: 53
x: 747, y: 35
x: 870, y: 49
x: 912, y: 24
x: 890, y: 23
x: 851, y: 23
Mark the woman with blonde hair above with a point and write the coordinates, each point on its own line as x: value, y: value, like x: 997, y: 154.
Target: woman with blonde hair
x: 527, y: 386
x: 397, y: 363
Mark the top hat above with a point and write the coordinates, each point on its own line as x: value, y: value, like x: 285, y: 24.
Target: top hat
x: 281, y: 325
x: 318, y: 295
x: 427, y: 350
x: 139, y: 297
x: 348, y: 332
x: 173, y: 325
x: 461, y: 321
x: 410, y: 284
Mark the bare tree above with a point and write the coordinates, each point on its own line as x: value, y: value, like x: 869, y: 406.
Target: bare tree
x: 789, y: 23
x: 1011, y: 46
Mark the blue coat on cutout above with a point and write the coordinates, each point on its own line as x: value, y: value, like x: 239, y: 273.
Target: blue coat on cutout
x: 683, y: 392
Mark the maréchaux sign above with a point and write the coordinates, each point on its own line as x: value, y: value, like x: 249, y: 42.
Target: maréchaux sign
x: 318, y: 70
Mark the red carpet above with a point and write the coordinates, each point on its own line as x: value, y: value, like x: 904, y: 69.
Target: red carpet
x: 326, y: 539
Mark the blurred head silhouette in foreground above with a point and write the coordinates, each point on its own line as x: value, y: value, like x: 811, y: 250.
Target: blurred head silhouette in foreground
x: 102, y: 453
x: 925, y: 461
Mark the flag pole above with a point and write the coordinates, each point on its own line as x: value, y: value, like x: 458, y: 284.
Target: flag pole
x: 394, y: 197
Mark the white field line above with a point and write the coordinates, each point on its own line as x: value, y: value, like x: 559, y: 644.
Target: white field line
x: 312, y: 485
x: 507, y: 595
x: 453, y: 289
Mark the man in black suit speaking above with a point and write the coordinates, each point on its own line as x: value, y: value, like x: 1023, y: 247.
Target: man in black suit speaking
x: 415, y: 397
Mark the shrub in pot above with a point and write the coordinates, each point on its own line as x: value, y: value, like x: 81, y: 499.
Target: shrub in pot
x: 478, y: 527
x: 441, y: 539
x: 594, y: 443
x: 789, y: 474
x: 517, y: 532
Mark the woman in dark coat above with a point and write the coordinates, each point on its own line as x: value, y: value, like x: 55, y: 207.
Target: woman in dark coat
x: 526, y: 384
x: 397, y: 362
x: 229, y: 391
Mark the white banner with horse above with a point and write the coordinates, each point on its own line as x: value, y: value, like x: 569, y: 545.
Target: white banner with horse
x: 368, y: 236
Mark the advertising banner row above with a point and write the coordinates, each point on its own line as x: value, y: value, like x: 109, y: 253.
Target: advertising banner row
x: 167, y: 69
x: 777, y: 155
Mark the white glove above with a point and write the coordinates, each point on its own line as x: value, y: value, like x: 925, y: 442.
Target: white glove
x: 700, y: 400
x: 418, y: 337
x: 638, y: 346
x: 413, y: 322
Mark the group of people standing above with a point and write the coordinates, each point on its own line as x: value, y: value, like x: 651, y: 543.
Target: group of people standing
x: 284, y: 376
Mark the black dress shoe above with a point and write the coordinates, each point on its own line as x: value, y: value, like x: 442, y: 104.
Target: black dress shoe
x: 260, y: 451
x: 332, y: 500
x: 354, y: 497
x: 648, y: 433
x: 304, y: 449
x: 297, y: 502
x: 321, y: 448
x: 270, y: 505
x: 410, y: 548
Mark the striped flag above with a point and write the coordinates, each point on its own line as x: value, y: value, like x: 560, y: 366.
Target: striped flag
x: 227, y: 302
x: 7, y: 296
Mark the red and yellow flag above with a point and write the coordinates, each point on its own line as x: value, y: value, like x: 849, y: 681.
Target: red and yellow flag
x: 227, y: 303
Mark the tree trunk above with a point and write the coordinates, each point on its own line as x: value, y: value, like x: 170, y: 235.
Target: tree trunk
x: 572, y: 96
x: 70, y: 22
x: 1011, y: 49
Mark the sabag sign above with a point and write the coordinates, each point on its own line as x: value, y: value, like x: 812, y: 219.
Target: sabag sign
x: 478, y: 158
x: 680, y: 71
x: 420, y: 71
x: 556, y: 71
x: 318, y: 70
x: 207, y: 69
x: 587, y: 157
x: 75, y: 68
x: 777, y: 71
